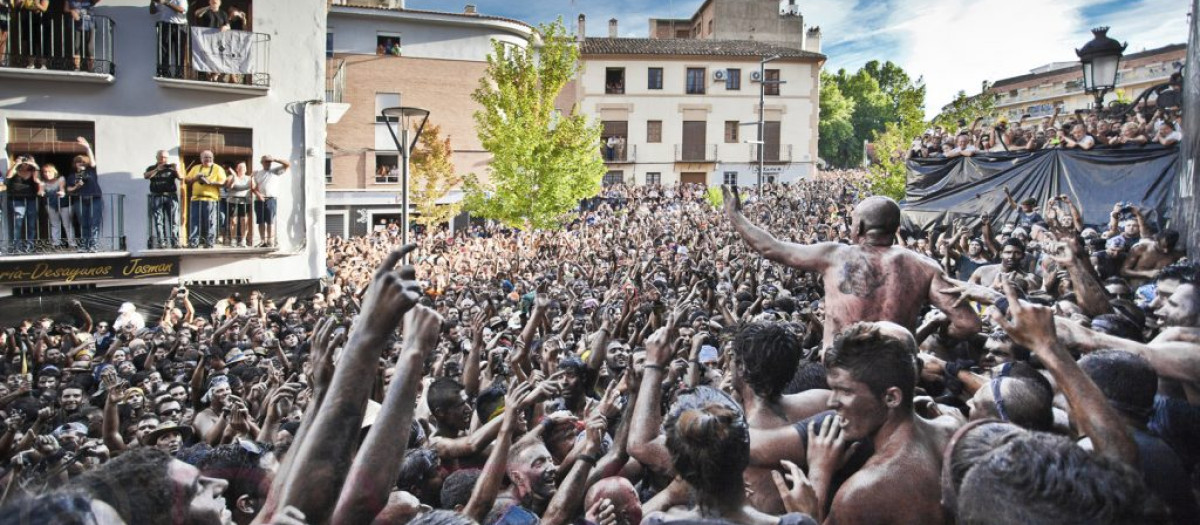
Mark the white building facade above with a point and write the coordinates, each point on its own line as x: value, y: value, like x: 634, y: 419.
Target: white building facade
x: 687, y: 110
x: 135, y: 102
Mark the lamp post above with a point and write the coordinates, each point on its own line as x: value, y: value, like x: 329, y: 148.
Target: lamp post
x: 1100, y: 59
x: 403, y: 116
x: 762, y: 103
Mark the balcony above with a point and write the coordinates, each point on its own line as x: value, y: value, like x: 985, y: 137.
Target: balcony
x: 695, y: 153
x: 203, y: 227
x: 621, y: 153
x: 60, y: 228
x: 335, y: 89
x: 58, y: 48
x: 772, y: 153
x: 238, y: 61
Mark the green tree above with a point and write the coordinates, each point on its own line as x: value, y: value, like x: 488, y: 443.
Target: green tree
x: 433, y: 177
x: 889, y: 172
x: 966, y: 108
x: 837, y: 145
x: 878, y: 94
x: 543, y: 161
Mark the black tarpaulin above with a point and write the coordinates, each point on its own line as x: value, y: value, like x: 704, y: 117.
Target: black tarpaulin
x: 940, y: 191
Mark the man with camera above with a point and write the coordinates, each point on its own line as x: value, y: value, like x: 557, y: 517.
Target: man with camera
x: 164, y: 201
x: 204, y: 189
x: 21, y: 187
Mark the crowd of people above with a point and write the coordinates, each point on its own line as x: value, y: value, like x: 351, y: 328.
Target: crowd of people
x: 224, y: 205
x: 1156, y: 122
x: 788, y: 356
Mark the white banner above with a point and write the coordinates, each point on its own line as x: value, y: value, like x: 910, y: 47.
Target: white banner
x: 216, y: 51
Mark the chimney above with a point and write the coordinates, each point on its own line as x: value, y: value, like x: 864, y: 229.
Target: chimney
x: 470, y: 10
x: 581, y: 32
x: 812, y: 42
x: 612, y: 28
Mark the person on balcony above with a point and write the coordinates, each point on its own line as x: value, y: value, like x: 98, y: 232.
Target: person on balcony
x: 28, y: 45
x: 83, y: 187
x: 58, y: 206
x: 164, y: 176
x: 266, y: 188
x: 237, y: 187
x: 83, y: 32
x: 204, y: 189
x: 171, y: 18
x: 21, y: 187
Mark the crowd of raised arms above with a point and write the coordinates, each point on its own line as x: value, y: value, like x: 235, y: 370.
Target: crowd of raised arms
x: 670, y: 354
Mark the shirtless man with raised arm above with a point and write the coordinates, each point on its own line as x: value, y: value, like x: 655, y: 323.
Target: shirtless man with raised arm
x: 870, y: 280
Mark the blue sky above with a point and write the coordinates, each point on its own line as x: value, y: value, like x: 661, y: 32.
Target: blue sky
x: 953, y: 44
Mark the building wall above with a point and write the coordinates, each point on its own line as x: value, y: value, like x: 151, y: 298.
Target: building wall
x: 1038, y: 96
x: 756, y: 20
x: 443, y: 59
x: 794, y: 108
x: 136, y: 115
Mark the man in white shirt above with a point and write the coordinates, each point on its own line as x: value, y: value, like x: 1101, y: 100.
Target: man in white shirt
x: 265, y: 190
x: 1079, y: 139
x: 171, y: 18
x: 1168, y: 134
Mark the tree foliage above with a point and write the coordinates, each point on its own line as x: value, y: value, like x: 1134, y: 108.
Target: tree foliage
x: 876, y: 95
x: 965, y: 108
x: 433, y: 176
x: 543, y: 161
x: 889, y: 173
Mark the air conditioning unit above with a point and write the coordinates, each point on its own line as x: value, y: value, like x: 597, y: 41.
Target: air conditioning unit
x: 755, y: 76
x: 718, y: 74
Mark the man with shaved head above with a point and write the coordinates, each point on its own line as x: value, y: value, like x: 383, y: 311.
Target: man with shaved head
x: 870, y: 280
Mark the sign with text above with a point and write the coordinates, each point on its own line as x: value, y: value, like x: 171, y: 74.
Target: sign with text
x: 72, y: 270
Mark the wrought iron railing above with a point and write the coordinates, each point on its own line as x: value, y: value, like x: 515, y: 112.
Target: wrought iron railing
x: 695, y: 153
x: 620, y: 152
x: 54, y: 224
x: 58, y: 42
x: 174, y: 58
x: 228, y: 222
x: 772, y: 152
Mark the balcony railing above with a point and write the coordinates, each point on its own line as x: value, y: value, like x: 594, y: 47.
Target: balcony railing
x: 42, y: 225
x: 228, y: 222
x: 619, y: 153
x: 174, y: 59
x: 58, y: 42
x: 695, y: 153
x: 772, y: 152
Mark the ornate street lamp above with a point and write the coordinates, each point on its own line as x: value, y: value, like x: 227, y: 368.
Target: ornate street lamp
x: 1100, y: 59
x: 404, y: 117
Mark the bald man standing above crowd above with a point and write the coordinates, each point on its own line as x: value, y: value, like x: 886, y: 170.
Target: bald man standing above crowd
x: 870, y: 280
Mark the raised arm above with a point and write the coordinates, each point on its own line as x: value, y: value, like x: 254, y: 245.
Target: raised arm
x: 645, y: 442
x: 1033, y: 327
x: 91, y: 156
x: 487, y: 486
x: 963, y: 321
x: 323, y: 458
x: 377, y: 465
x: 812, y: 258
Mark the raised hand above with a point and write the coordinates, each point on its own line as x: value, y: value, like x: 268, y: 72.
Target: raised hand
x: 732, y: 200
x: 659, y: 347
x: 827, y: 447
x: 1031, y: 326
x: 801, y: 496
x: 390, y: 295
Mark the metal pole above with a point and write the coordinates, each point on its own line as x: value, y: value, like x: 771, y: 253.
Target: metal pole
x: 404, y: 184
x: 762, y: 102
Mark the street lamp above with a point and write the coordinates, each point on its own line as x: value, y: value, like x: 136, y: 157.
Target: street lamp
x: 1100, y: 59
x: 762, y: 102
x: 404, y: 117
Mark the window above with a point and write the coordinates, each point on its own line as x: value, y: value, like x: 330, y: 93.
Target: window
x: 328, y: 168
x: 387, y: 44
x: 613, y: 177
x: 710, y: 26
x: 384, y: 101
x: 733, y: 79
x: 695, y: 81
x: 771, y: 84
x: 771, y: 136
x: 49, y: 140
x: 694, y: 148
x: 682, y: 33
x: 730, y: 178
x: 614, y: 135
x: 387, y: 168
x: 229, y: 145
x: 654, y: 131
x: 654, y: 78
x: 731, y: 131
x: 614, y: 81
x: 654, y: 177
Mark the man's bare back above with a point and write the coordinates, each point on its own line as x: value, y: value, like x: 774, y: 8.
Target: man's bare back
x: 869, y: 281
